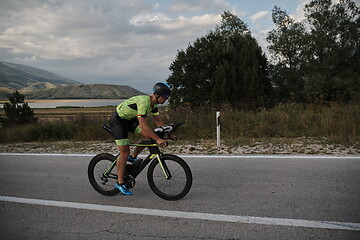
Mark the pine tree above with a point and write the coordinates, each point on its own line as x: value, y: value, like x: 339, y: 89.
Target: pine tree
x: 18, y: 111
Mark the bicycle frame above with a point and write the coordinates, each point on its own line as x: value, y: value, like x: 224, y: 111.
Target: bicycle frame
x: 135, y: 169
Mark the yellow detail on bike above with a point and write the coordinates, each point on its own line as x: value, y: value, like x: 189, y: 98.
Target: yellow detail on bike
x: 161, y: 165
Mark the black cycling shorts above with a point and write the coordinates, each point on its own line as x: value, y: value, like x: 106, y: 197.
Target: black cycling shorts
x: 120, y: 128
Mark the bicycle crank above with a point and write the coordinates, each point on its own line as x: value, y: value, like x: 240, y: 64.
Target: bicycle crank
x: 130, y: 181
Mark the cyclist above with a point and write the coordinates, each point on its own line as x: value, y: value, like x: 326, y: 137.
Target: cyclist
x: 130, y: 116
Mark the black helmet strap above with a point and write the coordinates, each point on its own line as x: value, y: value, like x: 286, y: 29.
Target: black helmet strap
x: 157, y: 98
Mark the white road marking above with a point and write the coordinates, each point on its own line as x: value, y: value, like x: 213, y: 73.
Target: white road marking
x: 190, y: 215
x: 269, y: 156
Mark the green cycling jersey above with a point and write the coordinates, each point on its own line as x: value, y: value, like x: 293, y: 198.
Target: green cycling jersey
x: 138, y: 106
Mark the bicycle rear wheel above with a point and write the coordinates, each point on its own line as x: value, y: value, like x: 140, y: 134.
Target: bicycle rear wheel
x: 178, y: 185
x: 101, y: 183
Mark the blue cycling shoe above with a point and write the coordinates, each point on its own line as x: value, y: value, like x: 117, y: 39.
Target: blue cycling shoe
x: 131, y: 159
x: 123, y: 189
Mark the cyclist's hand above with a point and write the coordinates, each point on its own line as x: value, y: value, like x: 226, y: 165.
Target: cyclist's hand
x: 173, y: 137
x: 161, y: 142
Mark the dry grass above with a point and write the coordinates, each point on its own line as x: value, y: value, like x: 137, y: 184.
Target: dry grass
x: 284, y: 124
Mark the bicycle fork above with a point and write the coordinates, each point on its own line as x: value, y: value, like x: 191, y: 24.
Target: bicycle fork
x: 163, y: 165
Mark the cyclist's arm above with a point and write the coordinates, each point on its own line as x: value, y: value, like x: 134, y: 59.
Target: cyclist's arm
x: 146, y: 131
x: 158, y: 121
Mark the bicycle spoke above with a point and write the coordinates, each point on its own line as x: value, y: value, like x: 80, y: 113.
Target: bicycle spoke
x: 106, y: 183
x: 171, y: 186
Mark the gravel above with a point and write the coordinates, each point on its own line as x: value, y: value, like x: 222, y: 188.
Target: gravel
x: 203, y: 147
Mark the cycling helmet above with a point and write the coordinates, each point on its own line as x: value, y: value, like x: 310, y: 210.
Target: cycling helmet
x: 162, y: 89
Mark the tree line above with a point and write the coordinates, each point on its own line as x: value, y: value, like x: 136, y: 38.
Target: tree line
x: 313, y: 60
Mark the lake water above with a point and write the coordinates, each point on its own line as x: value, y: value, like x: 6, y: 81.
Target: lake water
x: 73, y: 103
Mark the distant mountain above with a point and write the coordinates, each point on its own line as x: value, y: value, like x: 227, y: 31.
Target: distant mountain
x: 17, y: 76
x: 38, y: 86
x: 84, y: 91
x: 35, y: 83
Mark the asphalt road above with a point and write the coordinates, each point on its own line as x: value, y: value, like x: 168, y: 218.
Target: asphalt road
x: 274, y: 198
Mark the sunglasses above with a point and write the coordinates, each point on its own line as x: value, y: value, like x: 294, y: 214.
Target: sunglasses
x: 165, y: 96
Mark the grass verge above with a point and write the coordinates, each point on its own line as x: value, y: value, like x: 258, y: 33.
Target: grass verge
x: 281, y: 124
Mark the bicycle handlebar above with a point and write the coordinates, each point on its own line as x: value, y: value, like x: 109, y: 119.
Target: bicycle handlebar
x: 178, y: 125
x: 168, y: 129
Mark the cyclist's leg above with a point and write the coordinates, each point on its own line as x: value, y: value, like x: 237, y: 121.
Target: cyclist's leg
x: 121, y: 163
x: 124, y: 150
x: 135, y: 128
x: 136, y: 152
x: 119, y: 129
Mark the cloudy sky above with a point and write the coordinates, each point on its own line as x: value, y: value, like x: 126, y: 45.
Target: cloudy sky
x: 130, y: 42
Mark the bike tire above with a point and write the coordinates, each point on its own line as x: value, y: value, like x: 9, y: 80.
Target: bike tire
x: 177, y: 186
x: 97, y: 166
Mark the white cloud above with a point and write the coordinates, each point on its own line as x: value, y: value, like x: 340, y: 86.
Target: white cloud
x: 57, y: 32
x: 54, y: 32
x: 200, y: 5
x: 259, y: 15
x: 143, y: 18
x: 298, y: 15
x: 192, y: 24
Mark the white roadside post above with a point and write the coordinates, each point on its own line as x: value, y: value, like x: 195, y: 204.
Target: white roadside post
x: 218, y: 129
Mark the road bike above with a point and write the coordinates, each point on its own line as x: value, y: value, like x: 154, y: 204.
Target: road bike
x: 168, y: 175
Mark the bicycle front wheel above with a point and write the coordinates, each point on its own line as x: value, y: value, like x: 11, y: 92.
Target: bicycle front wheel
x: 178, y: 185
